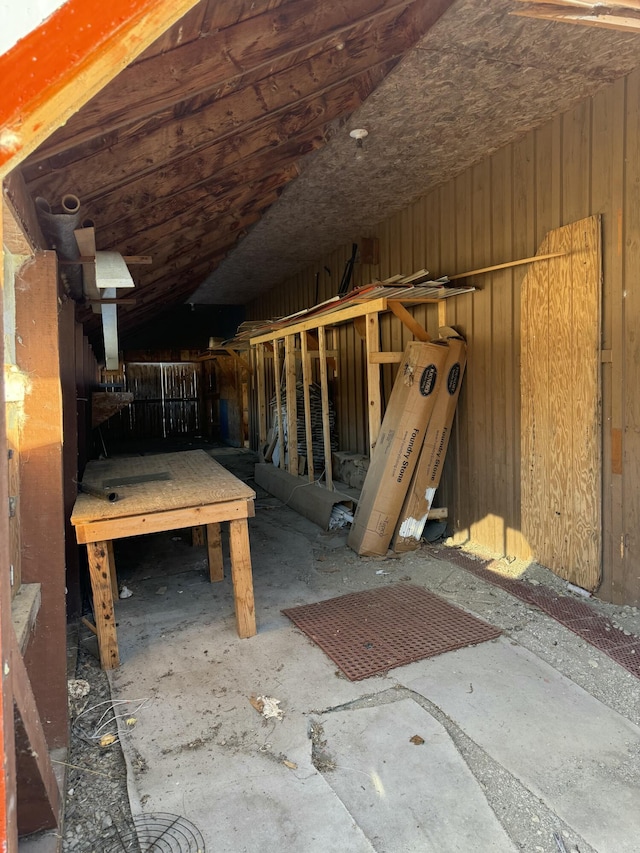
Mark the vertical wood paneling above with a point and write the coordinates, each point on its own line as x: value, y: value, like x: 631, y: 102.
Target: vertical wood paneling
x: 502, y: 366
x: 627, y: 578
x: 479, y: 400
x: 583, y: 162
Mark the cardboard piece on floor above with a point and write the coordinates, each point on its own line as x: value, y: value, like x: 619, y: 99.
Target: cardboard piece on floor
x: 428, y: 472
x: 398, y: 446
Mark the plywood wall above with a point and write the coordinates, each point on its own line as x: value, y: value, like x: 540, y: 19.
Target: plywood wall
x: 584, y: 162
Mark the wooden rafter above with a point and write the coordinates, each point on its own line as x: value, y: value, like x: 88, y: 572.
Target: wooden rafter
x: 182, y: 154
x: 218, y: 65
x: 147, y: 153
x: 623, y: 15
x: 83, y: 40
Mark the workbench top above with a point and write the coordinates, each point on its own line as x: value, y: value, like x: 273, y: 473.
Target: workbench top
x: 187, y: 479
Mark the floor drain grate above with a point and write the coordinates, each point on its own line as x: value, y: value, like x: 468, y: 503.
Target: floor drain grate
x: 366, y: 633
x: 577, y: 616
x: 161, y: 833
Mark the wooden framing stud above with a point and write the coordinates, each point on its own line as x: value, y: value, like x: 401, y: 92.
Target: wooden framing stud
x: 214, y: 552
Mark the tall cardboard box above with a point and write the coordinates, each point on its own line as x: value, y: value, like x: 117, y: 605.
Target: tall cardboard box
x: 398, y: 446
x: 428, y: 472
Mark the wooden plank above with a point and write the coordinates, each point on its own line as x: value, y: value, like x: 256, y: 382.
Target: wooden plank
x: 42, y: 509
x: 307, y: 379
x: 242, y: 578
x: 214, y: 552
x: 105, y: 404
x: 38, y: 795
x: 507, y: 265
x: 385, y: 357
x: 626, y: 411
x: 561, y: 494
x: 115, y: 166
x: 334, y: 318
x: 374, y: 395
x: 278, y: 389
x: 24, y: 611
x: 324, y: 393
x: 504, y: 363
x: 487, y: 489
x: 409, y: 321
x: 291, y: 402
x: 100, y: 572
x: 100, y: 42
x: 119, y: 528
x: 277, y: 43
x: 21, y: 230
x: 15, y: 547
x: 8, y: 818
x: 261, y: 390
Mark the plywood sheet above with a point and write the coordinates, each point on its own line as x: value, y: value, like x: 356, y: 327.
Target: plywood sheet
x: 561, y: 418
x: 195, y: 480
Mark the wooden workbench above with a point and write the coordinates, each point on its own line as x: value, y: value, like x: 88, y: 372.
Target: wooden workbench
x: 155, y: 493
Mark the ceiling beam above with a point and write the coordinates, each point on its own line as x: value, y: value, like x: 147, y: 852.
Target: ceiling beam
x: 81, y: 47
x: 364, y: 47
x: 158, y: 84
x: 107, y: 170
x: 260, y: 195
x: 153, y: 199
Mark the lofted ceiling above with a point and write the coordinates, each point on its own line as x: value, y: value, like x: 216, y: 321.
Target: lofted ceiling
x: 186, y: 155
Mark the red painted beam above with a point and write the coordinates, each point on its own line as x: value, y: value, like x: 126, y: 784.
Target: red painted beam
x: 55, y: 69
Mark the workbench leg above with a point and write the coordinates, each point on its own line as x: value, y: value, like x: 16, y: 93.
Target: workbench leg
x: 115, y: 592
x: 214, y: 550
x: 242, y: 577
x: 197, y: 536
x: 100, y: 572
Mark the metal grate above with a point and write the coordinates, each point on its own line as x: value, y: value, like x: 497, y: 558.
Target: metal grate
x: 577, y: 616
x: 160, y: 833
x: 366, y: 633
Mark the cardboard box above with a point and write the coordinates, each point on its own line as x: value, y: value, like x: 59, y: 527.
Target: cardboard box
x: 428, y: 472
x: 398, y: 446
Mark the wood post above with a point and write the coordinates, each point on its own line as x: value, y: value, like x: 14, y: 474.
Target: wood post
x: 197, y: 536
x: 8, y: 820
x: 241, y: 576
x: 214, y: 551
x: 42, y: 486
x: 277, y: 380
x: 306, y: 382
x: 324, y: 392
x: 262, y: 397
x: 373, y: 379
x: 291, y: 403
x: 100, y: 572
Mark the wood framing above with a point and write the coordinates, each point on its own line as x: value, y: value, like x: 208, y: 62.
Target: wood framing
x: 195, y: 491
x: 87, y: 42
x: 42, y: 485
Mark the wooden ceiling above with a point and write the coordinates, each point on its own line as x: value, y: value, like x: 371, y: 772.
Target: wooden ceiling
x: 187, y: 148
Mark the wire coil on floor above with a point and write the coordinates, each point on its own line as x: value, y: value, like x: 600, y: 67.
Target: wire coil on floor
x: 160, y: 832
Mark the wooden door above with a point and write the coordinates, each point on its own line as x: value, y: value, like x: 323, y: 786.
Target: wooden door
x: 561, y: 441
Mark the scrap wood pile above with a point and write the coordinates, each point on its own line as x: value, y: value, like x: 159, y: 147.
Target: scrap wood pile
x: 414, y: 288
x: 407, y: 460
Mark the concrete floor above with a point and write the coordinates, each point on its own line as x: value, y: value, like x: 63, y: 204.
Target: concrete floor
x: 528, y: 737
